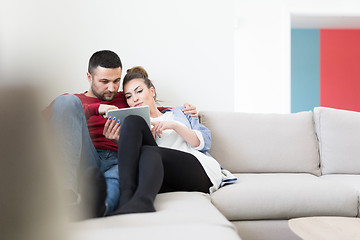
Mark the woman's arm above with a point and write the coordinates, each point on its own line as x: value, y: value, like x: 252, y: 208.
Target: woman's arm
x: 187, y: 134
x: 202, y: 130
x: 112, y: 129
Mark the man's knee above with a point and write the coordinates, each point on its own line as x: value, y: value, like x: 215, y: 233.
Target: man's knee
x: 67, y: 103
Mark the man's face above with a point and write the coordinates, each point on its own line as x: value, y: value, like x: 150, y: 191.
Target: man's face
x: 104, y: 83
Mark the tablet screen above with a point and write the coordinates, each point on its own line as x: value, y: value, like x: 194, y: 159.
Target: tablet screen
x: 121, y: 114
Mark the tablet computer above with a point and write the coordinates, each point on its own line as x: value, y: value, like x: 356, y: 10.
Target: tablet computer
x: 121, y: 114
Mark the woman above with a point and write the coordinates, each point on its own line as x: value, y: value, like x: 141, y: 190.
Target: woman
x: 172, y: 156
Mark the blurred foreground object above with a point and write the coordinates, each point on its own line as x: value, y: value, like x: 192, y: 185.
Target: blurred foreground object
x: 29, y: 203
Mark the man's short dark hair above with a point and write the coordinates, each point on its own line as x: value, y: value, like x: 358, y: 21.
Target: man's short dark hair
x: 105, y: 59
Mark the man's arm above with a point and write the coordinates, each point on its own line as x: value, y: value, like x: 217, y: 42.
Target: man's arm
x: 103, y: 109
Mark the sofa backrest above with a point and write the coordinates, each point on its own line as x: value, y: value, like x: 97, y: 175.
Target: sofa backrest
x: 338, y: 132
x: 263, y: 143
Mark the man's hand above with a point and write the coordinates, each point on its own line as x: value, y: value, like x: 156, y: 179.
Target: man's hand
x: 111, y: 129
x: 159, y: 127
x: 190, y: 109
x: 104, y: 109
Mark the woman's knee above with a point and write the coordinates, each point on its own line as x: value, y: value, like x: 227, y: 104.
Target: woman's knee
x: 133, y: 121
x: 151, y: 160
x: 151, y: 155
x: 150, y: 150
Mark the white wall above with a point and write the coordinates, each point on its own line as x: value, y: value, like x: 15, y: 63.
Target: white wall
x: 187, y: 46
x: 219, y: 55
x: 262, y: 48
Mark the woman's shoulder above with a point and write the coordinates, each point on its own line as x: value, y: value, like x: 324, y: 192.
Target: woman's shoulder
x: 177, y: 112
x: 179, y: 116
x: 175, y: 109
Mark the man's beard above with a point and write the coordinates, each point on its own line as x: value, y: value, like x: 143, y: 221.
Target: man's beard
x: 102, y: 95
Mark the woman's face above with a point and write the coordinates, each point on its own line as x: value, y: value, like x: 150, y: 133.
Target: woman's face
x: 138, y: 94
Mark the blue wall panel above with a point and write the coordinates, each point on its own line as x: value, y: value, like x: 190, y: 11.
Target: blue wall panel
x: 305, y: 69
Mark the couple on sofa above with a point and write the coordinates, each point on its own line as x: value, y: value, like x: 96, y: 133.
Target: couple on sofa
x: 115, y: 170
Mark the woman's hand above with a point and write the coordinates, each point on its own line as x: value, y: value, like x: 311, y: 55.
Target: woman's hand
x: 111, y: 129
x: 104, y: 109
x: 190, y: 109
x: 159, y: 127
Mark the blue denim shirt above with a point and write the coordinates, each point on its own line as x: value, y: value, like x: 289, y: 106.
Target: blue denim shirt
x: 192, y: 123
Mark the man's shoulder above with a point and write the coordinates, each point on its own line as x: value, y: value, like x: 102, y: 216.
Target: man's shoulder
x: 80, y: 95
x: 120, y: 95
x: 119, y: 100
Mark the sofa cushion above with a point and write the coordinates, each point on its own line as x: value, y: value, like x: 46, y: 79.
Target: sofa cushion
x: 263, y: 143
x: 338, y: 132
x: 158, y: 232
x: 188, y: 212
x: 350, y: 180
x: 265, y: 229
x: 284, y: 196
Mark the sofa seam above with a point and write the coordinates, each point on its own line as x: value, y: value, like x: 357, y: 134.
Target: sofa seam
x: 318, y: 136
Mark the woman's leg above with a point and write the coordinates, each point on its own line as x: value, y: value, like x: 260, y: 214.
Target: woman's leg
x: 134, y: 133
x: 183, y: 172
x: 177, y: 170
x: 150, y: 179
x: 142, y: 164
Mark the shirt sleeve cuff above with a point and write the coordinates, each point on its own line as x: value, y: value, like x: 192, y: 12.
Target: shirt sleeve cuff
x: 91, y: 109
x: 201, y: 139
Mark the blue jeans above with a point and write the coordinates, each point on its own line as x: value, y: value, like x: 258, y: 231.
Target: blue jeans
x: 77, y: 150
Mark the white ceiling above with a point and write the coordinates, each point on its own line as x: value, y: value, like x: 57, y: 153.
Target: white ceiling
x: 310, y: 21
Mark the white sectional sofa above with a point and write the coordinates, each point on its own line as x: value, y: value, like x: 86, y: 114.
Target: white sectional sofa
x: 180, y: 215
x: 288, y: 166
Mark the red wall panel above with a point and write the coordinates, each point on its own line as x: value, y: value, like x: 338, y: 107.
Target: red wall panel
x: 340, y: 68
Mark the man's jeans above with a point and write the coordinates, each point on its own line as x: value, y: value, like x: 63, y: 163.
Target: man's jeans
x: 77, y: 150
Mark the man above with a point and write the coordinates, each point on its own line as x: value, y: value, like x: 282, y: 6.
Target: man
x: 91, y: 176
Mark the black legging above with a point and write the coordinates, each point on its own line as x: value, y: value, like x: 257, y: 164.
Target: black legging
x: 146, y: 169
